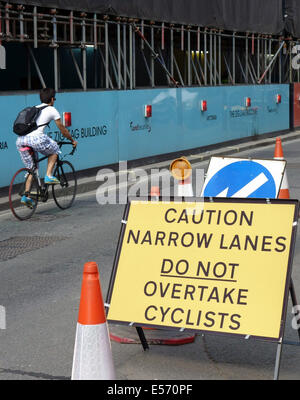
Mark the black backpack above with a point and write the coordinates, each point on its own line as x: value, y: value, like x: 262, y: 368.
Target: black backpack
x: 26, y: 120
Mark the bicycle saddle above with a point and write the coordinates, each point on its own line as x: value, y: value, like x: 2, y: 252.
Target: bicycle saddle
x: 26, y: 148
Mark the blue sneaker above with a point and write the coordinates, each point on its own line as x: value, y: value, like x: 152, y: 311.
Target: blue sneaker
x: 51, y: 180
x: 27, y: 201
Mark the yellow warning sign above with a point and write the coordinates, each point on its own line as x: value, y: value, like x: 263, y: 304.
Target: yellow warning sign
x: 221, y: 266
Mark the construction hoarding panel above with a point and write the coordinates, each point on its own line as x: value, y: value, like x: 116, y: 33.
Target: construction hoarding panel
x: 295, y: 105
x: 111, y: 126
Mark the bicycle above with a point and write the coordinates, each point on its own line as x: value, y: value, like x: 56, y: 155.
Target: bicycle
x: 63, y: 193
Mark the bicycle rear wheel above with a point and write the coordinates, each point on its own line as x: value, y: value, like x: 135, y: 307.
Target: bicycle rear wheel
x: 17, y: 190
x: 65, y: 192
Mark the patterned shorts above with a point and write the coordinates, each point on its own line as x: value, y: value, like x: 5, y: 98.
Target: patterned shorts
x: 39, y: 143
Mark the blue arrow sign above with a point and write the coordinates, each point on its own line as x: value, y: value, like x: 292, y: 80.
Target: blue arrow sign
x: 247, y: 179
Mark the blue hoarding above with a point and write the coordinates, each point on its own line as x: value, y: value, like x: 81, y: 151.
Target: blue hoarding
x: 110, y: 125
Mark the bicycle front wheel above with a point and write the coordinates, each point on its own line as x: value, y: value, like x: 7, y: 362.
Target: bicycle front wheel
x: 65, y: 192
x: 23, y: 194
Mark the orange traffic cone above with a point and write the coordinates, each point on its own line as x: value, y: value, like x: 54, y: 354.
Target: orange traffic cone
x: 92, y: 353
x: 284, y: 192
x: 155, y: 192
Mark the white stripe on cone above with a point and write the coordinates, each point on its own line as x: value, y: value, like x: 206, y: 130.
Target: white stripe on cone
x: 284, y: 183
x: 185, y: 188
x: 92, y: 358
x: 284, y: 191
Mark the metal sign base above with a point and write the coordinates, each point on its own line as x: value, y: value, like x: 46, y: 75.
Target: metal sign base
x: 281, y: 342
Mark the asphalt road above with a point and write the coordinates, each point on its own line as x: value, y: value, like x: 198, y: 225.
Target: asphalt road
x: 40, y: 290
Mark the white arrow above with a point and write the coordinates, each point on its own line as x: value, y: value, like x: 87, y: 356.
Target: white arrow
x: 223, y: 193
x: 253, y: 185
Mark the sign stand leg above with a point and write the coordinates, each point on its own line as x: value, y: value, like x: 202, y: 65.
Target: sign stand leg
x: 142, y: 338
x: 278, y: 359
x: 281, y: 342
x: 294, y: 301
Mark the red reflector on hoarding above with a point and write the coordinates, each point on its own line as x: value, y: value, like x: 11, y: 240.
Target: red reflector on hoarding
x: 278, y: 98
x: 67, y: 119
x: 203, y: 105
x: 148, y: 111
x: 248, y: 102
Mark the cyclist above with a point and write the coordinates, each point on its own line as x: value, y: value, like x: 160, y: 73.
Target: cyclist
x: 42, y: 143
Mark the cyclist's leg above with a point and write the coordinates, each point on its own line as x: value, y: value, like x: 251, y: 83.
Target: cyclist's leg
x: 28, y: 185
x: 50, y: 148
x: 27, y: 159
x: 46, y: 146
x: 25, y: 155
x: 51, y: 163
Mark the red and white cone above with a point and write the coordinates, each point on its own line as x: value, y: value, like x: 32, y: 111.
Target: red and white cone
x: 155, y: 193
x: 92, y: 353
x: 284, y: 192
x: 181, y: 170
x: 185, y: 188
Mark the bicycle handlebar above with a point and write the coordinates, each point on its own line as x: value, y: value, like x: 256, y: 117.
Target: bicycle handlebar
x: 74, y: 148
x: 61, y: 143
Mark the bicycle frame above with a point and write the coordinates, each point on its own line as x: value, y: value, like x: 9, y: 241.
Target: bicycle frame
x: 36, y: 162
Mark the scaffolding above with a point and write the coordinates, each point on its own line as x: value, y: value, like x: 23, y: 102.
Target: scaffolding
x: 127, y: 54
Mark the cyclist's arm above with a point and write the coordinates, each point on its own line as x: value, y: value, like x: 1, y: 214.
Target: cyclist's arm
x: 65, y: 131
